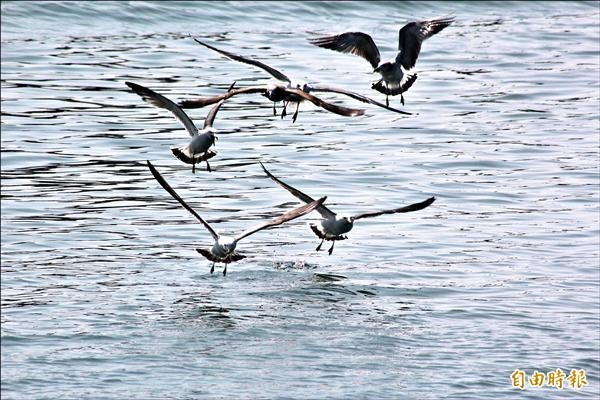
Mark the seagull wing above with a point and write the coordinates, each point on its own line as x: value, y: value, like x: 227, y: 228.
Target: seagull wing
x: 295, y: 213
x: 275, y: 73
x: 173, y: 193
x: 205, y: 101
x: 412, y: 207
x: 412, y: 35
x: 355, y: 96
x: 345, y: 111
x: 161, y: 101
x: 210, y: 118
x: 356, y: 43
x: 321, y: 209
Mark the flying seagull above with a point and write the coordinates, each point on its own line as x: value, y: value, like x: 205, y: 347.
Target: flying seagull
x: 333, y: 226
x: 198, y: 149
x: 275, y: 93
x: 394, y: 74
x: 223, y: 250
x: 281, y: 92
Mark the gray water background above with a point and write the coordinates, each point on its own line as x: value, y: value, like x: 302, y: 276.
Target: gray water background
x: 103, y: 293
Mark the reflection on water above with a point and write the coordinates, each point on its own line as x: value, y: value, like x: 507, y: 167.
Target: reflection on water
x: 103, y: 291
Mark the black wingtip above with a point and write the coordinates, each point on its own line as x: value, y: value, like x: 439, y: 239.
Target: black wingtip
x: 139, y: 89
x: 154, y: 171
x: 266, y: 170
x: 132, y: 85
x: 204, y: 44
x: 150, y: 166
x: 263, y: 167
x: 424, y: 204
x: 321, y: 200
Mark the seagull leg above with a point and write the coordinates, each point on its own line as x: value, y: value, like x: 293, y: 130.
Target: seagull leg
x: 284, y: 111
x: 208, y: 166
x: 320, y: 244
x: 212, y: 268
x: 193, y: 168
x: 225, y: 270
x: 387, y: 101
x: 274, y: 110
x: 401, y: 99
x: 387, y: 91
x: 331, y: 249
x: 296, y: 113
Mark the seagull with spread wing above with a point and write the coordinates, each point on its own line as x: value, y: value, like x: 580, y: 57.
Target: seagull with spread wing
x: 223, y: 249
x: 198, y: 149
x: 334, y: 226
x: 275, y: 93
x: 286, y: 92
x: 394, y: 74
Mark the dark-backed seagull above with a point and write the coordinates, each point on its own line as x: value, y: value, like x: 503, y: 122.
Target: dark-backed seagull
x: 333, y: 226
x: 198, y: 149
x: 394, y: 74
x: 223, y: 250
x: 277, y: 92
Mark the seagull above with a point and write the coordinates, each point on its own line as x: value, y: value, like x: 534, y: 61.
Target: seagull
x: 281, y: 92
x: 394, y: 74
x: 223, y: 250
x: 198, y: 149
x: 275, y: 93
x: 333, y: 226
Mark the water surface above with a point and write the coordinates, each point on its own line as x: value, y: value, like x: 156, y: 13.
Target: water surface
x: 104, y: 295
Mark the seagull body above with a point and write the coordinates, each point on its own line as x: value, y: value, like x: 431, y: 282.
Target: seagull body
x: 198, y: 149
x: 332, y: 226
x: 289, y: 91
x: 395, y: 78
x: 223, y: 249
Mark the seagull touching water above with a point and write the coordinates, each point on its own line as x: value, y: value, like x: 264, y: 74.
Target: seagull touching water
x: 223, y: 249
x: 334, y: 226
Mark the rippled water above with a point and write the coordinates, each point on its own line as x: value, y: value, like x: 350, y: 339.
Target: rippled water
x: 104, y: 296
